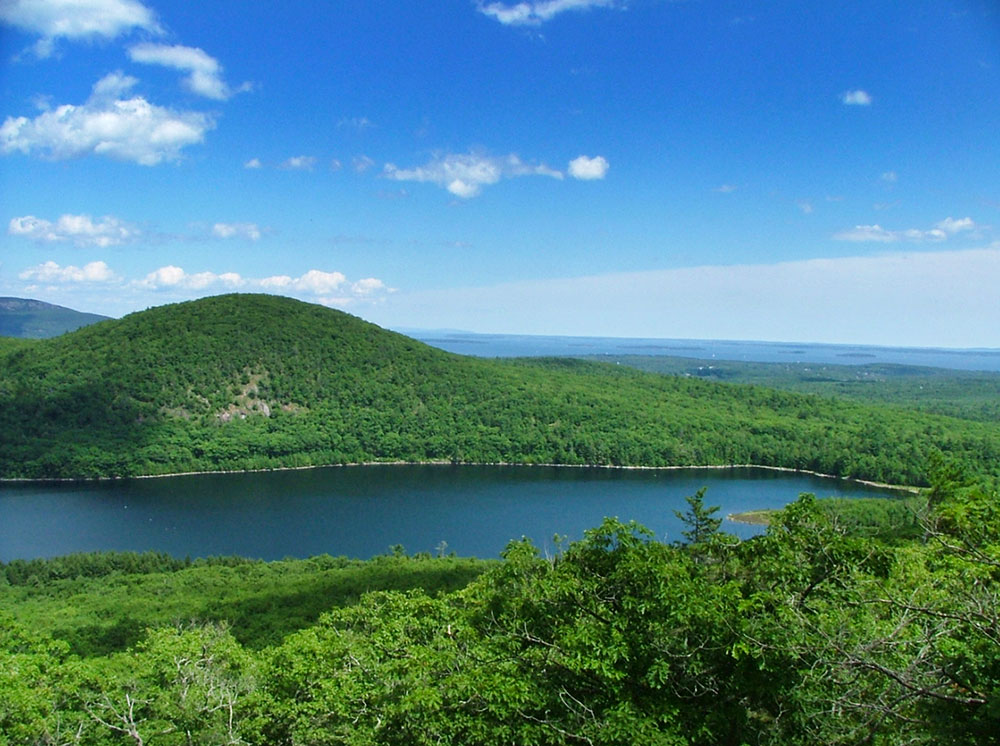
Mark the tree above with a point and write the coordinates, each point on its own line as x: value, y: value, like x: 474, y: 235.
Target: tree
x: 701, y: 525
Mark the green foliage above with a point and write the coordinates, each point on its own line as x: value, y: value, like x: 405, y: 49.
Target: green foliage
x: 262, y: 601
x: 971, y: 395
x: 257, y: 382
x: 701, y: 525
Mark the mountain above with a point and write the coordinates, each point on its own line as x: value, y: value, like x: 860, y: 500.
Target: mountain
x: 258, y: 381
x: 35, y: 319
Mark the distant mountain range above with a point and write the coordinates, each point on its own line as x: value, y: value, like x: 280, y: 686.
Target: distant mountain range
x: 35, y: 319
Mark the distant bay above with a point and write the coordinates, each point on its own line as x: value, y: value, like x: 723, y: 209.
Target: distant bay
x: 518, y: 345
x: 361, y: 511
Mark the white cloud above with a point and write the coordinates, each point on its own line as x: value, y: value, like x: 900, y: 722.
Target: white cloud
x: 329, y: 288
x: 80, y: 229
x: 536, y: 13
x: 588, y: 168
x: 299, y: 163
x: 952, y: 226
x: 856, y: 98
x: 876, y: 233
x: 236, y: 230
x: 172, y: 276
x: 76, y: 19
x: 726, y: 189
x: 368, y: 286
x: 335, y: 165
x: 253, y: 163
x: 927, y: 298
x: 464, y: 174
x: 107, y: 124
x: 940, y: 232
x: 357, y: 123
x: 362, y: 163
x: 889, y: 177
x: 204, y: 71
x: 805, y: 206
x: 50, y: 272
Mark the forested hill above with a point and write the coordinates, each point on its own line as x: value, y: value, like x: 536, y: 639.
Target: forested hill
x: 255, y: 381
x: 35, y: 319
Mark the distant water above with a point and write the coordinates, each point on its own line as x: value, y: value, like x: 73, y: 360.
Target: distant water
x: 520, y: 345
x: 362, y: 511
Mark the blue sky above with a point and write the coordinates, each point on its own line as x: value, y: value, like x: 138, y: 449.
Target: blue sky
x: 790, y: 171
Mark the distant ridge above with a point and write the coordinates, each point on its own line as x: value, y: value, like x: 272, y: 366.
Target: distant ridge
x: 35, y: 319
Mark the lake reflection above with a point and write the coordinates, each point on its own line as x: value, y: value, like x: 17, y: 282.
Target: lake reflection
x: 361, y: 511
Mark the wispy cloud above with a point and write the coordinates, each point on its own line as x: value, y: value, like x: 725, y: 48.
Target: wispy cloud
x: 204, y: 73
x: 537, y: 12
x: 78, y: 19
x: 876, y: 233
x: 856, y: 98
x: 362, y: 163
x: 253, y: 163
x: 81, y: 230
x: 587, y: 168
x: 889, y: 177
x: 237, y: 230
x: 726, y: 188
x: 805, y: 206
x: 107, y: 124
x: 52, y: 273
x: 355, y: 123
x: 943, y: 298
x: 299, y: 163
x: 465, y: 174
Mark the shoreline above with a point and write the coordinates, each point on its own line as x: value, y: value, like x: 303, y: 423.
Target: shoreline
x: 787, y: 469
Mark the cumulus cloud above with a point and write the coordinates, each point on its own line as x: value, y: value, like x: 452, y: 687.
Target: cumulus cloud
x: 172, y: 276
x: 952, y: 226
x: 81, y: 230
x: 588, y: 168
x: 299, y: 163
x: 76, y: 19
x: 52, y: 273
x: 940, y: 232
x: 465, y: 174
x: 329, y: 288
x: 107, y: 124
x: 236, y: 230
x: 204, y: 73
x: 856, y: 98
x: 537, y: 12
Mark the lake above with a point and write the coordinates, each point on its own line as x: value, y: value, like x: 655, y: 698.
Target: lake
x: 360, y: 511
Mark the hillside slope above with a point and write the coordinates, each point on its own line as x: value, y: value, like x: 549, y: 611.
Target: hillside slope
x: 250, y: 381
x: 35, y: 319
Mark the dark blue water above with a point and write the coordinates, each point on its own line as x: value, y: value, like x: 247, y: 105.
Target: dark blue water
x: 362, y: 511
x: 514, y: 345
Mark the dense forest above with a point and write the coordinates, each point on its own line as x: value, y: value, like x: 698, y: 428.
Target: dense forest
x: 840, y: 625
x: 967, y: 394
x: 257, y: 382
